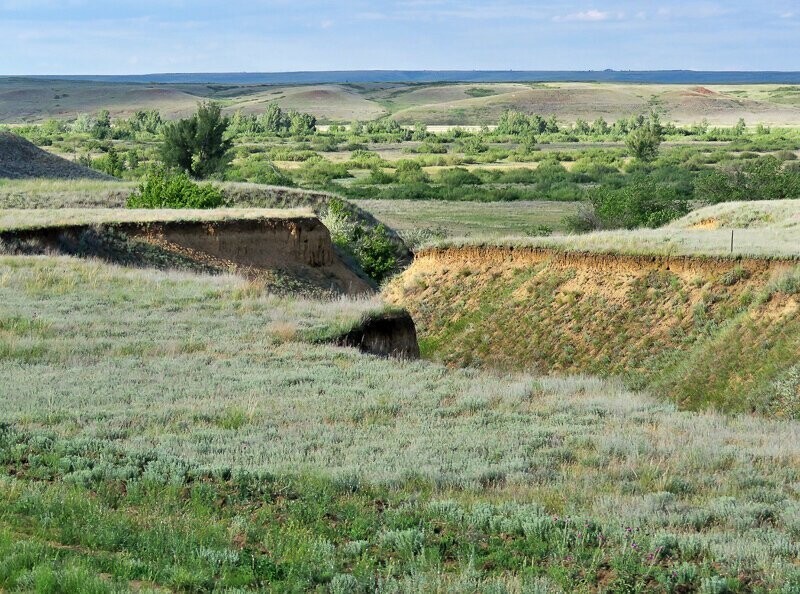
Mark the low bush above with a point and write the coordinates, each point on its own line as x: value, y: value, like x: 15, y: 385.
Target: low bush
x: 174, y: 190
x: 371, y: 248
x: 640, y: 203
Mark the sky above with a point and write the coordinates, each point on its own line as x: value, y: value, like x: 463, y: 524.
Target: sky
x: 156, y: 36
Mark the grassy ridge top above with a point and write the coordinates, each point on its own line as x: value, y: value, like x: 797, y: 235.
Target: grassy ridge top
x: 764, y: 229
x: 23, y: 219
x: 773, y: 214
x: 750, y: 243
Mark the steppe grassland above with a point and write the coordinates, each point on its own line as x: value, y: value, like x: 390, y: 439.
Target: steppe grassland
x: 86, y: 349
x: 776, y: 214
x: 22, y: 219
x: 57, y: 193
x: 757, y: 243
x: 454, y: 219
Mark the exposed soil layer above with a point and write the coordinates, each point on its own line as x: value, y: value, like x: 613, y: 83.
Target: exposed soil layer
x: 391, y: 334
x: 656, y: 320
x: 295, y: 251
x: 20, y: 159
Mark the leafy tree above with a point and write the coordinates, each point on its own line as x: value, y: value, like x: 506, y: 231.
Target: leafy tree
x: 700, y: 129
x: 147, y: 121
x: 242, y: 123
x: 273, y: 121
x: 82, y: 124
x: 301, y: 124
x: 644, y: 140
x: 110, y: 163
x: 375, y: 252
x: 581, y: 126
x: 371, y: 247
x: 102, y: 125
x: 420, y: 131
x: 514, y: 123
x: 197, y: 145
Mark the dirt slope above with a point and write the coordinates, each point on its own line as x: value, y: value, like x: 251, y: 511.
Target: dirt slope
x: 288, y: 254
x: 655, y: 320
x: 20, y: 159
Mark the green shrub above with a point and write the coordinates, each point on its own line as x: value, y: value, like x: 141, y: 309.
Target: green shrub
x: 320, y: 172
x: 764, y: 178
x: 640, y: 203
x: 371, y: 247
x: 165, y: 190
x: 375, y: 252
x: 458, y: 177
x: 110, y: 163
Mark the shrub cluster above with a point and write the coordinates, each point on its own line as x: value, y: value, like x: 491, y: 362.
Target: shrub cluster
x: 174, y: 190
x: 371, y: 248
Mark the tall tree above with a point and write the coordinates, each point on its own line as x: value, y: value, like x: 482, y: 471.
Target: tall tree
x: 198, y: 144
x: 645, y: 139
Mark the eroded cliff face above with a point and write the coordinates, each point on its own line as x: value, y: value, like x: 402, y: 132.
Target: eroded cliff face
x: 298, y: 248
x: 262, y: 243
x: 652, y: 319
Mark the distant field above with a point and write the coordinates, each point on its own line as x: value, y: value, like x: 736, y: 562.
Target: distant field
x: 458, y: 219
x: 473, y: 104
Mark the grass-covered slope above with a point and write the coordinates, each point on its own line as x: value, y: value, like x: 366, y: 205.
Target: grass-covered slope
x: 775, y: 215
x: 21, y: 159
x: 178, y: 431
x: 709, y: 332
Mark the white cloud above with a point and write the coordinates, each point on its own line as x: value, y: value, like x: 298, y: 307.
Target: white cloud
x: 591, y: 16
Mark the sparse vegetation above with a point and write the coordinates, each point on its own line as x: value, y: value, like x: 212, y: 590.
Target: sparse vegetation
x: 223, y: 480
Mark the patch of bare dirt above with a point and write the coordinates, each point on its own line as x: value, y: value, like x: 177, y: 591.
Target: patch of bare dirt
x: 706, y: 225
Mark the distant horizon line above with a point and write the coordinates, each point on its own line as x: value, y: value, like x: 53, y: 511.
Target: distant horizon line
x: 666, y: 76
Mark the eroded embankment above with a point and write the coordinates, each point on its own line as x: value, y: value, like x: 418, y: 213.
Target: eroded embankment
x: 707, y: 331
x: 296, y: 249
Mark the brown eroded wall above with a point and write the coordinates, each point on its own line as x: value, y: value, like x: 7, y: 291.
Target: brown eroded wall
x: 709, y: 331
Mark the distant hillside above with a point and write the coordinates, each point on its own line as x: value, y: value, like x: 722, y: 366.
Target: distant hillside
x: 20, y: 159
x: 432, y: 76
x: 27, y: 100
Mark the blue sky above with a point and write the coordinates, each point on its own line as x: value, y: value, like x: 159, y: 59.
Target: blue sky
x: 147, y: 36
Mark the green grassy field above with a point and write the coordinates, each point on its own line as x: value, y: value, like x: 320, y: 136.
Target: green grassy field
x: 459, y: 219
x: 174, y: 431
